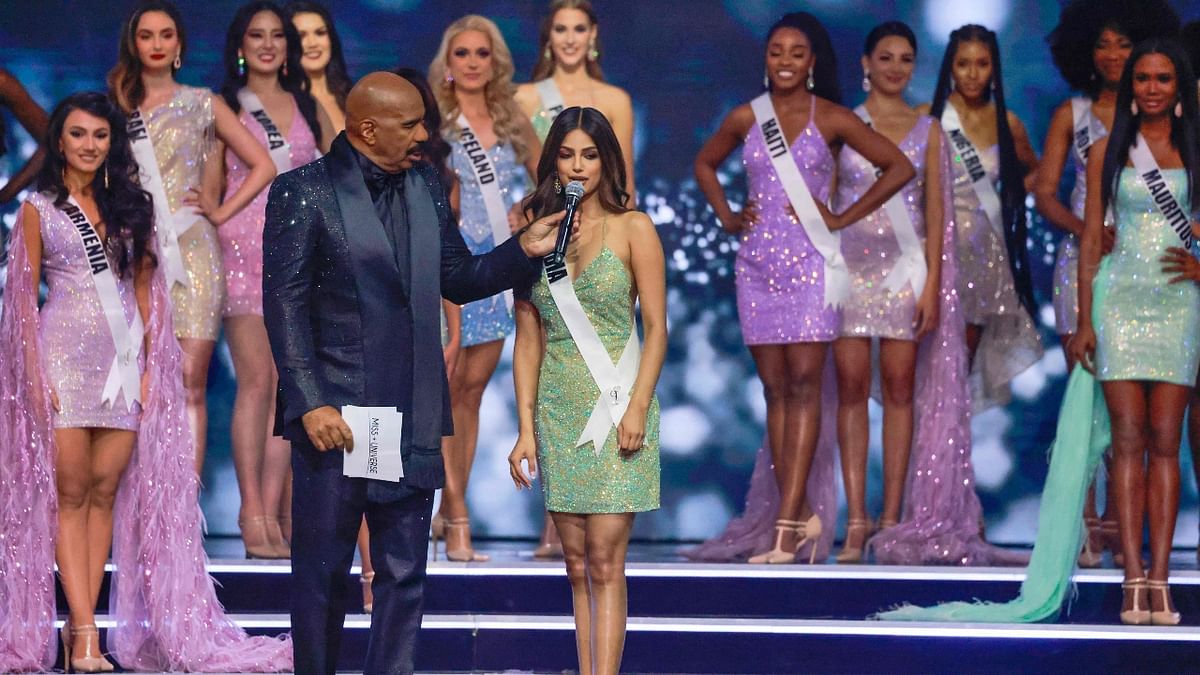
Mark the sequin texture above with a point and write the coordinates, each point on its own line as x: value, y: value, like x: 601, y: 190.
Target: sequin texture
x: 577, y: 479
x: 780, y: 275
x: 241, y: 237
x: 870, y: 246
x: 182, y: 133
x: 488, y: 319
x: 1146, y: 328
x: 75, y: 341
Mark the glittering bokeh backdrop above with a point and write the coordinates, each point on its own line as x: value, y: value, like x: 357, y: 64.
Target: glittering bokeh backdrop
x: 685, y: 65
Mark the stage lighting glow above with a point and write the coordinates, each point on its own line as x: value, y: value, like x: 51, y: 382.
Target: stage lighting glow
x: 943, y: 16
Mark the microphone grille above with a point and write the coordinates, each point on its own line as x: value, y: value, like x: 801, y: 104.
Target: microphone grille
x: 575, y: 189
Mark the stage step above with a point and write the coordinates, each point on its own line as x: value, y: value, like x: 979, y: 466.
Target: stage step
x: 498, y: 642
x: 672, y: 589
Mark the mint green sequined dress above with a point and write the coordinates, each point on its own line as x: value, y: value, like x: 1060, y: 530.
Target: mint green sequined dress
x: 1149, y: 328
x: 577, y: 479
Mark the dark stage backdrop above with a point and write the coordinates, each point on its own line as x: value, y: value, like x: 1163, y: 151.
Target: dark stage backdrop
x: 685, y: 64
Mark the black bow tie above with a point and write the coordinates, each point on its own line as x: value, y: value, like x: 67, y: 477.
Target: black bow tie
x: 380, y: 181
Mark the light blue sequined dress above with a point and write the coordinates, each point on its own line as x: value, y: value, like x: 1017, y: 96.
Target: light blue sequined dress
x: 1148, y: 329
x: 488, y: 319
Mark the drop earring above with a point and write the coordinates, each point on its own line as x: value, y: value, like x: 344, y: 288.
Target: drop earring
x: 593, y: 53
x: 178, y: 62
x: 106, y: 175
x: 811, y: 82
x: 241, y: 64
x: 285, y: 68
x: 766, y: 80
x: 866, y: 83
x: 449, y: 78
x: 547, y: 55
x: 1179, y: 109
x: 557, y: 185
x: 1133, y: 109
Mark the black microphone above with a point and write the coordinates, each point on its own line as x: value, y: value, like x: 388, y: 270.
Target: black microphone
x: 574, y: 192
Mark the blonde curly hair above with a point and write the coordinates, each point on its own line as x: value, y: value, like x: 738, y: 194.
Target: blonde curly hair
x: 506, y: 116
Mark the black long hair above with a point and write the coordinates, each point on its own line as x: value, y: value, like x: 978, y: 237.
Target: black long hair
x: 337, y: 77
x: 1012, y: 174
x: 545, y: 199
x: 436, y: 150
x: 1184, y: 129
x: 825, y: 77
x: 292, y: 77
x: 1073, y: 40
x: 889, y: 29
x: 125, y: 208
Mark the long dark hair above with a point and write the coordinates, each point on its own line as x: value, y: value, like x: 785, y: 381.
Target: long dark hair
x: 292, y: 77
x: 125, y: 208
x: 436, y: 150
x: 825, y: 77
x: 1012, y: 174
x: 1073, y: 40
x: 889, y: 29
x: 545, y: 64
x: 545, y: 199
x: 1184, y: 135
x: 337, y: 77
x: 125, y: 78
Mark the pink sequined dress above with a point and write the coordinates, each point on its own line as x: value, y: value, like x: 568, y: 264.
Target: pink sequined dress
x: 871, y: 247
x: 167, y: 617
x: 74, y: 340
x: 780, y: 275
x: 241, y: 236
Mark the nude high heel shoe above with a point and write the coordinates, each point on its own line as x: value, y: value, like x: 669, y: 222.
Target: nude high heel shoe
x: 467, y: 554
x: 92, y: 660
x: 256, y: 539
x: 855, y: 554
x: 275, y: 538
x: 368, y: 597
x: 806, y: 532
x: 1135, y: 616
x: 1164, y: 617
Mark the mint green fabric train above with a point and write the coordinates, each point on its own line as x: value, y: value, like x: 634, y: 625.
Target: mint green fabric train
x: 1078, y: 447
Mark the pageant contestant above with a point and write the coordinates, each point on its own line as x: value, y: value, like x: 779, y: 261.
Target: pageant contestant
x: 92, y: 398
x: 266, y: 87
x: 989, y: 144
x: 577, y: 343
x: 1139, y: 313
x: 568, y: 74
x: 791, y: 276
x: 31, y: 116
x: 171, y: 128
x: 494, y: 153
x: 1089, y: 45
x: 322, y: 59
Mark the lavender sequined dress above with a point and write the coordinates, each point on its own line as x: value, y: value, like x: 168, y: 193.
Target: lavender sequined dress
x: 241, y: 236
x: 1010, y: 342
x: 870, y: 246
x: 75, y: 341
x: 780, y: 275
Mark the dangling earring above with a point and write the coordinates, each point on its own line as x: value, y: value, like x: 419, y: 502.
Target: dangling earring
x: 241, y: 64
x: 285, y: 68
x: 557, y: 185
x: 547, y: 55
x: 105, y: 175
x: 449, y: 78
x: 766, y: 80
x: 593, y: 53
x: 178, y: 62
x: 811, y: 82
x: 1179, y: 109
x: 953, y: 84
x: 866, y: 81
x: 1133, y: 108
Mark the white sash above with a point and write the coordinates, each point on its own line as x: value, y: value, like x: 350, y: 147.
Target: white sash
x: 277, y: 145
x: 827, y: 243
x: 167, y: 225
x: 552, y: 100
x: 1085, y: 133
x: 967, y: 154
x: 1177, y: 215
x: 614, y: 381
x: 127, y: 338
x: 911, y: 267
x: 489, y: 186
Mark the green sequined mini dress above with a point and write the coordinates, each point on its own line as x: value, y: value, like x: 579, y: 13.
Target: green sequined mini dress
x: 577, y: 479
